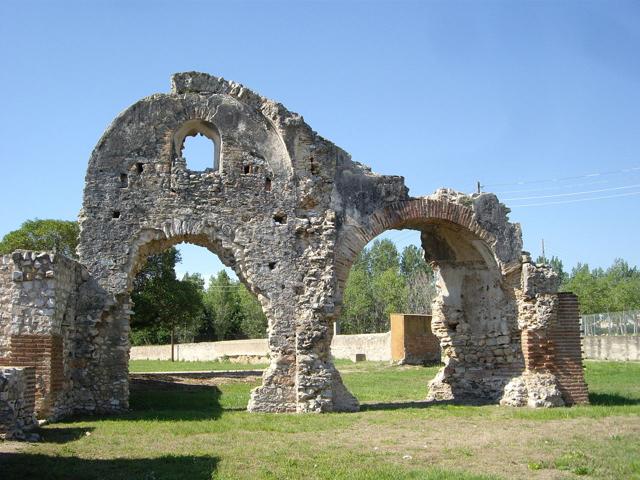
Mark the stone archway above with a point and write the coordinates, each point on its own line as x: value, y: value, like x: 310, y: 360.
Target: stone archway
x: 475, y: 315
x: 288, y: 211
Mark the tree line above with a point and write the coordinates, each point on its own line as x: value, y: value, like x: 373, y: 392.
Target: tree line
x: 599, y: 290
x: 382, y: 280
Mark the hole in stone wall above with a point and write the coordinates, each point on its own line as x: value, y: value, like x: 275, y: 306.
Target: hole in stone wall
x: 280, y: 218
x: 139, y: 167
x: 199, y: 143
x: 124, y: 180
x: 313, y: 166
x: 272, y: 265
x: 246, y: 169
x: 116, y: 214
x: 199, y: 152
x: 267, y: 184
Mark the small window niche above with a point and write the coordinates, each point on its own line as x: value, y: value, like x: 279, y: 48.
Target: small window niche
x: 198, y: 143
x: 253, y: 164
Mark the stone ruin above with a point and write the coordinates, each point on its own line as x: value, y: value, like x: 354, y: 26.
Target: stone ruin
x: 288, y: 211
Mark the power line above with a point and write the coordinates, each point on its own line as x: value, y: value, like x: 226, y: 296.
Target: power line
x: 575, y: 200
x: 572, y: 194
x: 562, y: 179
x: 555, y: 187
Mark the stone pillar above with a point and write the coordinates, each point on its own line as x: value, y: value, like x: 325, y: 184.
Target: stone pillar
x: 319, y: 384
x: 278, y: 390
x: 549, y: 323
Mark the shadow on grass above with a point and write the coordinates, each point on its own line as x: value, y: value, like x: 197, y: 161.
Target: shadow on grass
x: 602, y: 399
x: 370, y: 407
x: 15, y: 466
x: 63, y: 435
x: 611, y: 399
x: 160, y: 400
x: 423, y: 404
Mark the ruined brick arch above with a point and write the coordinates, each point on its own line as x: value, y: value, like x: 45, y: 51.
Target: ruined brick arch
x: 412, y: 214
x: 288, y: 210
x: 476, y: 302
x: 150, y: 242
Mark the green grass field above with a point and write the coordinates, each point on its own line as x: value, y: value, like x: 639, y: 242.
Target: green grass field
x: 165, y: 366
x: 203, y: 432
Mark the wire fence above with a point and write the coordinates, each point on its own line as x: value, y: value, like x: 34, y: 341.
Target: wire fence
x: 611, y: 323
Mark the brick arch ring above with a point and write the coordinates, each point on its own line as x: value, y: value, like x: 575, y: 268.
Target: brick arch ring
x: 408, y: 214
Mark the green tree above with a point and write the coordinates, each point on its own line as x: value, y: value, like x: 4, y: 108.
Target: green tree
x: 412, y: 261
x: 375, y: 288
x: 624, y: 284
x: 383, y: 256
x: 390, y: 296
x: 195, y: 278
x: 590, y: 287
x: 54, y: 235
x: 254, y: 321
x: 162, y: 303
x: 358, y: 303
x: 223, y: 307
x: 614, y: 289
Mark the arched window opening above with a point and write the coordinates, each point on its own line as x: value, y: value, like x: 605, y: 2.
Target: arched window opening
x: 198, y: 143
x: 199, y: 152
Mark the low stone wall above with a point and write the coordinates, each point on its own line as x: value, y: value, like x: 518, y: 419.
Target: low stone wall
x: 375, y: 346
x: 623, y: 347
x: 252, y: 350
x: 17, y: 402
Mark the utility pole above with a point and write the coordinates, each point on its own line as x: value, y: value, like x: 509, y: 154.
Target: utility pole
x: 479, y: 187
x: 544, y: 258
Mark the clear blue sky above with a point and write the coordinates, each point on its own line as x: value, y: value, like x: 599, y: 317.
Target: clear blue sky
x: 444, y: 93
